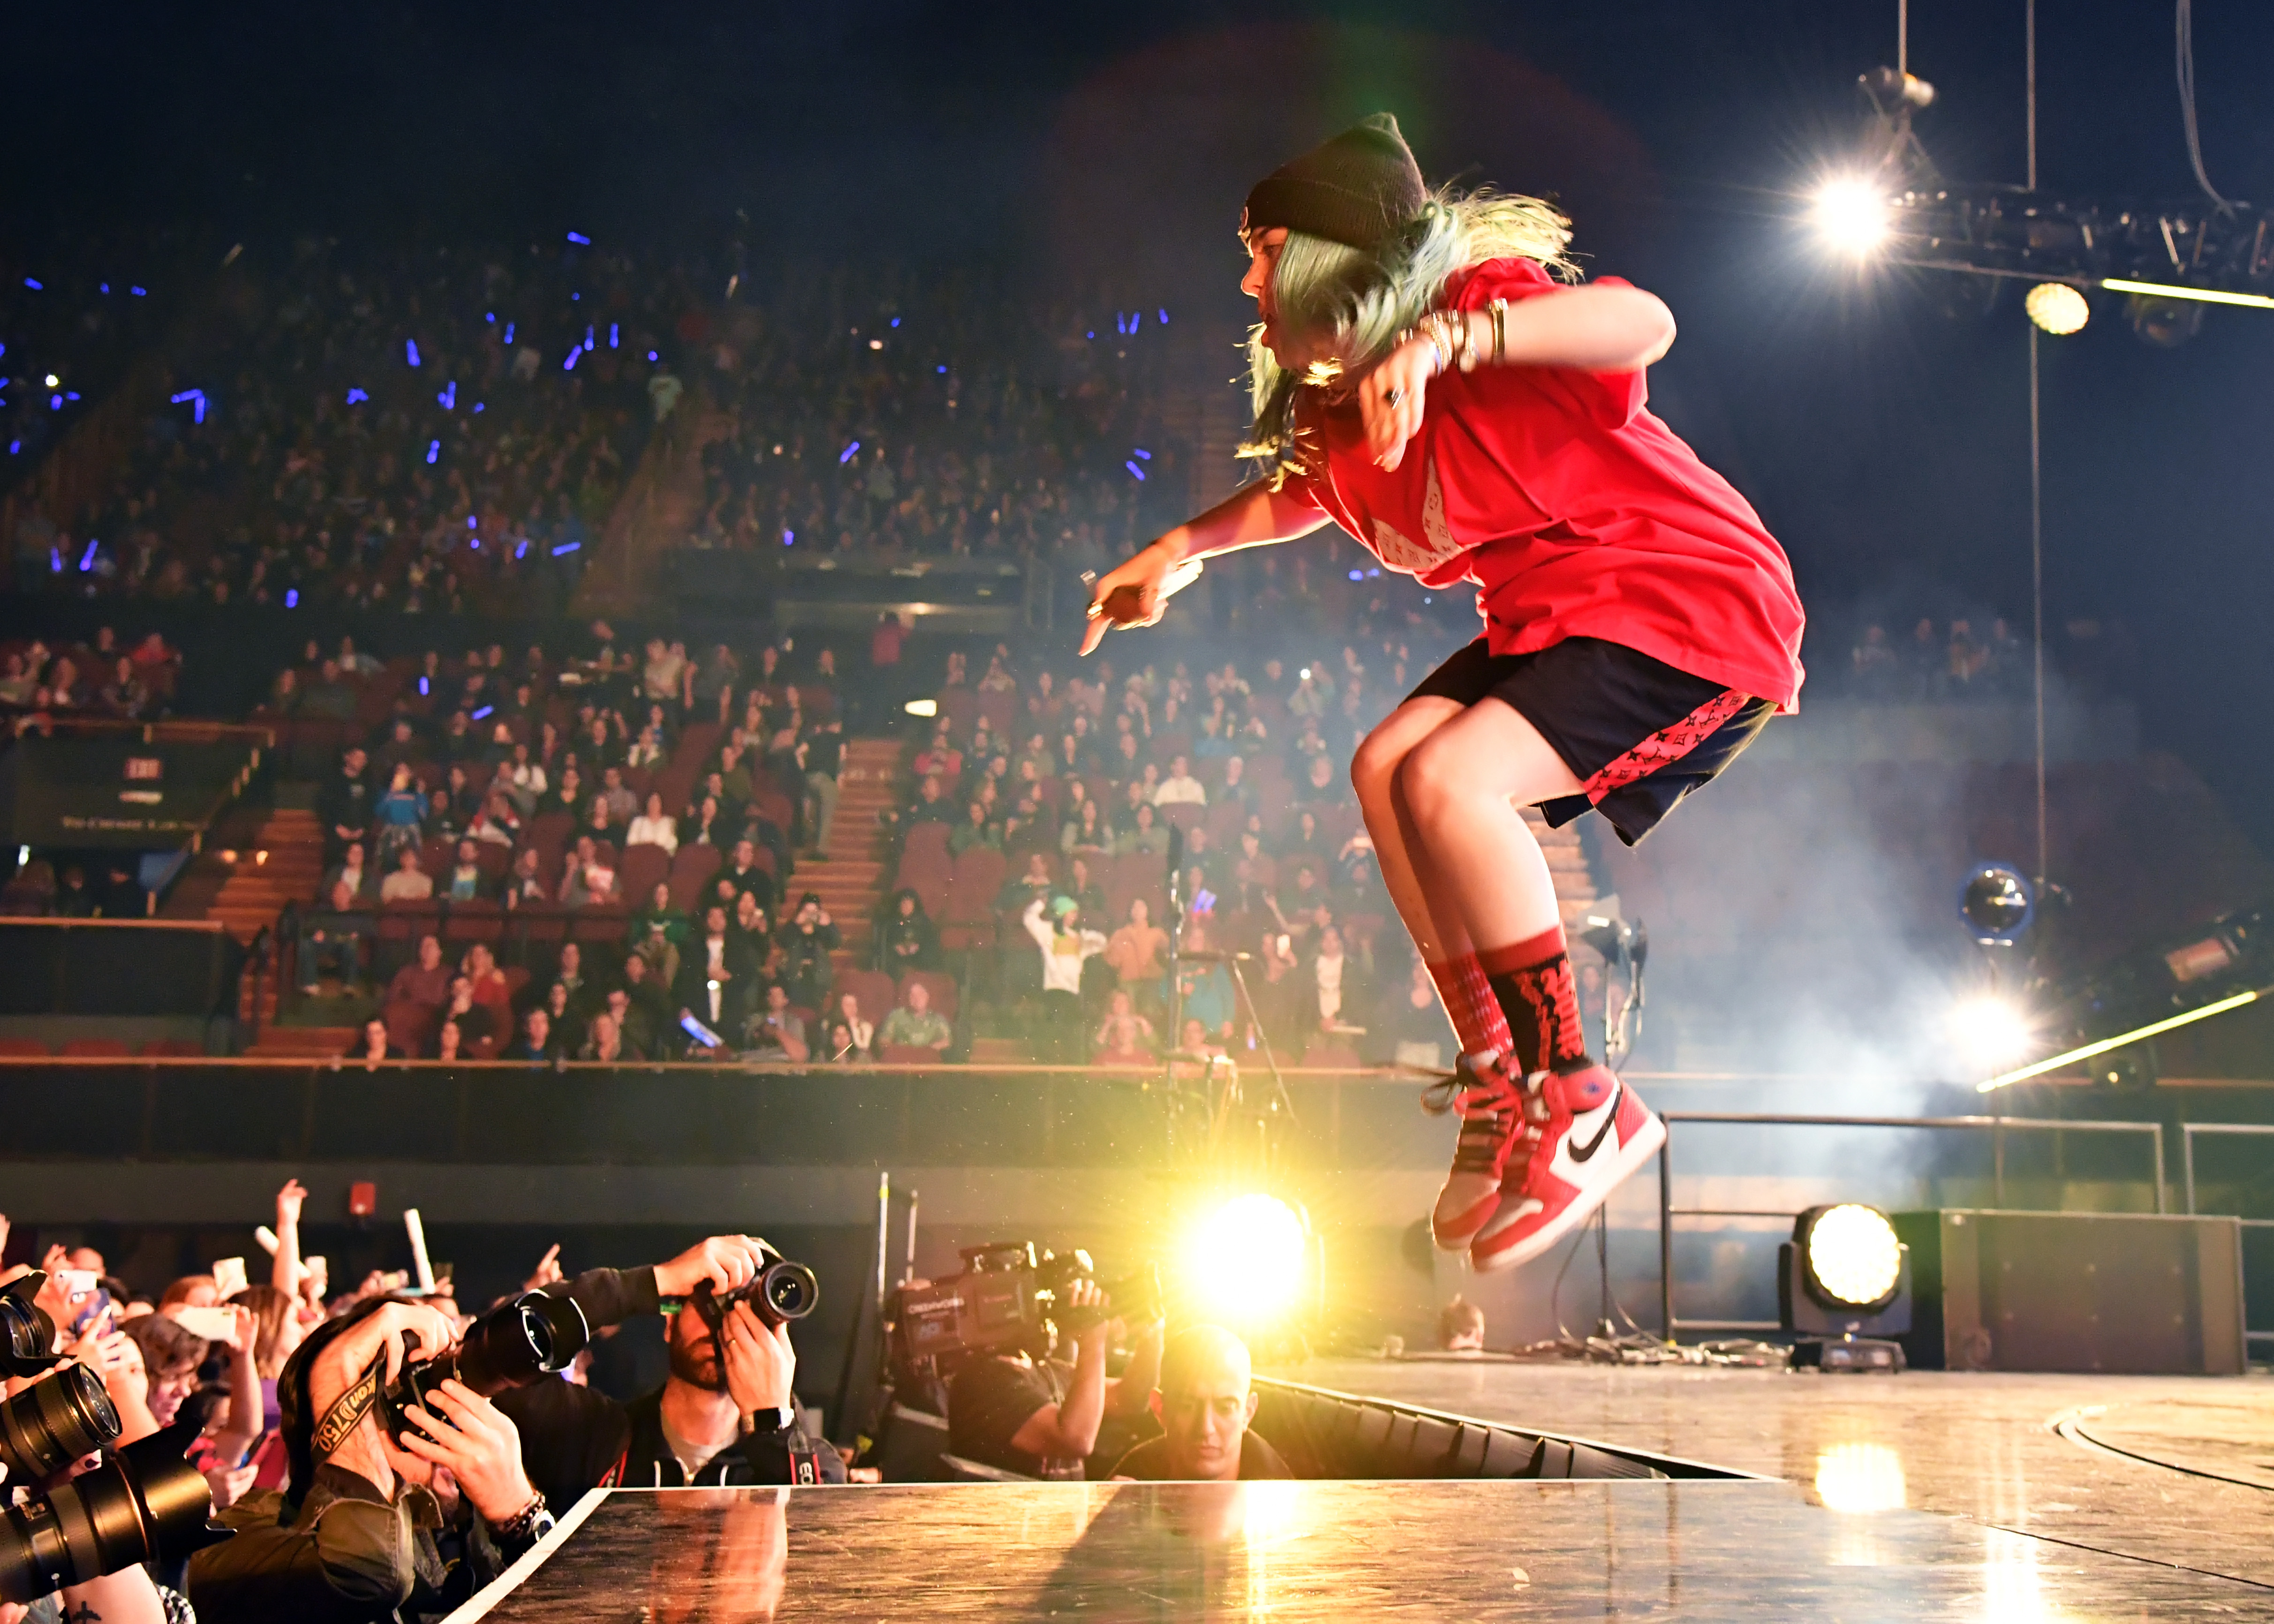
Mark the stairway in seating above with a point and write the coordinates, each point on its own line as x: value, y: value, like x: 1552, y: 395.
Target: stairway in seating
x: 280, y: 861
x: 1576, y: 892
x: 851, y: 875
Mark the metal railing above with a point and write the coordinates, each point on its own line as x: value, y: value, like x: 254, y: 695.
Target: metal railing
x: 2187, y: 1131
x: 1996, y: 1125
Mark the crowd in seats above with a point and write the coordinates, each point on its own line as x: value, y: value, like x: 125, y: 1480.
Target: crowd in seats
x: 74, y: 312
x: 1037, y: 836
x: 421, y: 429
x: 103, y: 677
x: 589, y: 858
x: 894, y: 416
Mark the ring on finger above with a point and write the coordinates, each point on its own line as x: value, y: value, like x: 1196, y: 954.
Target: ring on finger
x: 1393, y: 396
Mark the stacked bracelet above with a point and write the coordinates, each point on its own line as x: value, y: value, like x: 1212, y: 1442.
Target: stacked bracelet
x: 525, y: 1526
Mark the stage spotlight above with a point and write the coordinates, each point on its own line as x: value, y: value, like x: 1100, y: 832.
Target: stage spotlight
x: 2058, y: 308
x: 1843, y: 1282
x: 1860, y: 1478
x: 1992, y: 1031
x: 922, y: 707
x: 1245, y: 1261
x: 1851, y: 216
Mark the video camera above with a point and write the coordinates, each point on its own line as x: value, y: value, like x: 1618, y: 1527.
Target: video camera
x: 1007, y: 1297
x: 511, y: 1346
x: 146, y: 1502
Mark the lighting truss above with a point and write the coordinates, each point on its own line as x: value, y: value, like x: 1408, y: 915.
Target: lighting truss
x: 2159, y: 250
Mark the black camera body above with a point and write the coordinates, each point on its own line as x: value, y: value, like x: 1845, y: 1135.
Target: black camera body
x: 511, y: 1346
x: 779, y: 1293
x: 1009, y: 1298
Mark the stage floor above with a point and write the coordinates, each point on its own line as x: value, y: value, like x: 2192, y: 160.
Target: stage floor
x: 1920, y: 1498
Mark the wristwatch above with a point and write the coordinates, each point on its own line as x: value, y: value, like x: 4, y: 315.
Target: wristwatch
x: 773, y: 1420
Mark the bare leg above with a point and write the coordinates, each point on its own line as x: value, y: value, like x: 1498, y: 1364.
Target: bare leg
x: 1436, y: 929
x: 1462, y: 785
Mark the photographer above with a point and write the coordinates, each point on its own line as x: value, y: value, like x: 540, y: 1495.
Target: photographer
x: 365, y: 1529
x: 724, y: 1416
x: 1041, y: 1416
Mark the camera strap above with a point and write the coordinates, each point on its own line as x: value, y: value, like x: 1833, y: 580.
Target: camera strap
x: 348, y: 1410
x: 804, y: 1466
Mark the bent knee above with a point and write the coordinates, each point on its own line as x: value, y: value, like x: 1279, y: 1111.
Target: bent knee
x: 1374, y: 766
x: 1429, y: 781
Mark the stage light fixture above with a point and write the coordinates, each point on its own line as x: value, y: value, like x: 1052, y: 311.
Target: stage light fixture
x: 1246, y: 1259
x: 1844, y: 1284
x: 1851, y: 216
x: 1860, y: 1478
x: 2057, y: 308
x: 1996, y: 904
x: 1993, y: 1030
x: 922, y: 707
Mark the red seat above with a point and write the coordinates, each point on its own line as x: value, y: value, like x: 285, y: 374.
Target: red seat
x: 473, y: 921
x: 96, y: 1048
x: 972, y: 887
x: 645, y: 867
x: 691, y: 868
x: 907, y: 1054
x: 162, y: 1048
x: 1182, y: 815
x: 925, y: 841
x: 410, y: 1026
x: 939, y: 984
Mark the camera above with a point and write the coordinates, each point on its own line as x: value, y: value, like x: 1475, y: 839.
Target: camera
x: 145, y: 1501
x: 779, y: 1293
x: 511, y: 1346
x: 28, y: 1336
x: 1006, y: 1298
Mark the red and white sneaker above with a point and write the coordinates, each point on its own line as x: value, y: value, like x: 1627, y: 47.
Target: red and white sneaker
x: 1588, y: 1132
x: 1490, y: 1101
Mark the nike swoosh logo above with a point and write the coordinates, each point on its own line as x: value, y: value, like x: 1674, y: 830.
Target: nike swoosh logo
x: 1610, y: 1110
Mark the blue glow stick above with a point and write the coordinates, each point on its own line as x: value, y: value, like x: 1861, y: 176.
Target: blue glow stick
x: 846, y: 455
x: 292, y: 597
x: 612, y: 335
x: 567, y: 546
x: 433, y: 450
x: 508, y: 331
x: 1135, y: 472
x: 579, y: 237
x: 86, y: 559
x: 569, y: 366
x: 356, y: 394
x: 410, y: 350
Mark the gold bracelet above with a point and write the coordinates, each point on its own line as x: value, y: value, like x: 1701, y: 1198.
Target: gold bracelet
x: 1500, y: 332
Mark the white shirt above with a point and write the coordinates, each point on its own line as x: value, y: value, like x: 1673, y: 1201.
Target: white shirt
x: 645, y: 830
x: 1330, y: 986
x: 1187, y: 791
x: 1063, y: 954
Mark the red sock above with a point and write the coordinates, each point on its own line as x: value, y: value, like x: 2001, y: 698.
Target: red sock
x: 1531, y: 980
x: 1468, y: 998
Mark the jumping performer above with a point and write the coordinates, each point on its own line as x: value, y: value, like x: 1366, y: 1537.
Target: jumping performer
x: 1426, y: 374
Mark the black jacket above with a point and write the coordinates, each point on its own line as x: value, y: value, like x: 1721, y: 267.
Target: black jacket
x: 350, y: 1556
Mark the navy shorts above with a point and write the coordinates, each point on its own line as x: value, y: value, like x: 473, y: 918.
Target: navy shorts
x: 1638, y: 734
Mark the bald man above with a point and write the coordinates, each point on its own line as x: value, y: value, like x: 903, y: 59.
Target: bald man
x: 1204, y: 1403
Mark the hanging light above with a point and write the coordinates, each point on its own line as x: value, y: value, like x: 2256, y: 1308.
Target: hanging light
x: 1851, y: 216
x: 2057, y: 308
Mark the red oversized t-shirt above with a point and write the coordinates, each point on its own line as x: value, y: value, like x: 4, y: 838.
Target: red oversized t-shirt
x: 1577, y: 512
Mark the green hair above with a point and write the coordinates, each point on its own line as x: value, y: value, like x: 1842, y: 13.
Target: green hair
x: 1353, y: 302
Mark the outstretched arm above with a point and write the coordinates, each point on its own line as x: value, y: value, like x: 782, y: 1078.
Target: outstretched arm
x: 1253, y: 517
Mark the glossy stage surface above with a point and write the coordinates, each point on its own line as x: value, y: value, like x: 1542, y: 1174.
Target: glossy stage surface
x: 1921, y: 1497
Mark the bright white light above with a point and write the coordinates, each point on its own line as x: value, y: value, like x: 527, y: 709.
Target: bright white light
x: 1244, y: 1260
x: 53, y: 381
x: 1992, y: 1031
x: 1851, y: 216
x: 1860, y: 1478
x: 922, y: 707
x: 1854, y: 1254
x: 2057, y: 307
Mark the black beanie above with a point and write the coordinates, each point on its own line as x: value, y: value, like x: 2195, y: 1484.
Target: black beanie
x: 1358, y: 189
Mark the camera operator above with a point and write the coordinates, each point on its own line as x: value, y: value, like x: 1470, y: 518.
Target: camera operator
x: 724, y: 1416
x: 1041, y: 1416
x: 365, y: 1529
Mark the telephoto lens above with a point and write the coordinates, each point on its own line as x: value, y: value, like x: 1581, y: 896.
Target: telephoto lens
x: 509, y: 1347
x: 780, y: 1292
x: 56, y: 1420
x: 144, y: 1502
x: 28, y: 1336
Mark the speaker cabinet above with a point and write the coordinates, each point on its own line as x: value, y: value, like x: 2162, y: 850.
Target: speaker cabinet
x: 2119, y: 1292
